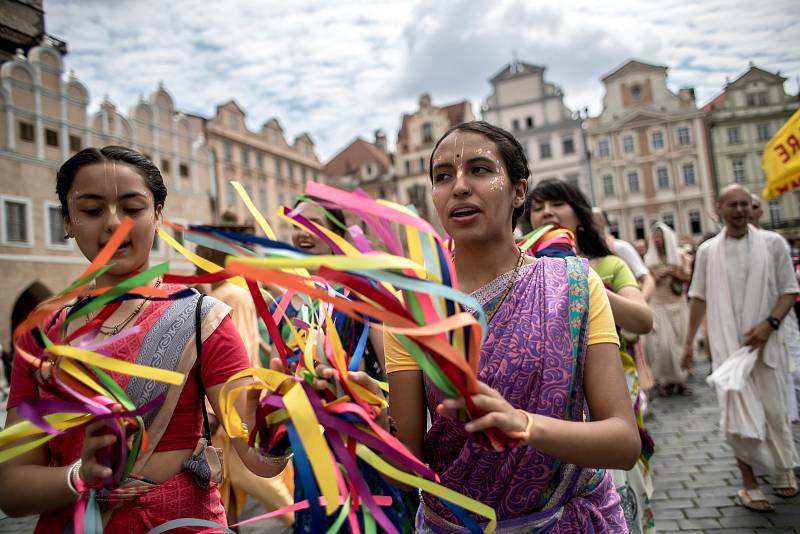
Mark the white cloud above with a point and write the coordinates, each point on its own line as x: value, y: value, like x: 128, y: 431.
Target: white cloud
x: 341, y: 69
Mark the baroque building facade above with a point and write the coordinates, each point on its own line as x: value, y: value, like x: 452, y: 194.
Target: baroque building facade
x: 741, y: 120
x: 551, y: 134
x: 418, y: 133
x: 650, y: 156
x: 272, y: 171
x: 44, y: 119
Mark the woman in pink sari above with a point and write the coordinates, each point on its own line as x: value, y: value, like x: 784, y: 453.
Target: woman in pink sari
x: 177, y: 474
x: 549, y: 367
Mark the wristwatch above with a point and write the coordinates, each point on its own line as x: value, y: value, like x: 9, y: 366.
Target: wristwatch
x: 774, y: 322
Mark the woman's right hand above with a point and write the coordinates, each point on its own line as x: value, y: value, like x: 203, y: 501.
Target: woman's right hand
x: 327, y: 374
x: 91, y: 472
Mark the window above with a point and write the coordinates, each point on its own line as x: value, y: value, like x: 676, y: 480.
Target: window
x: 228, y: 148
x: 281, y: 199
x: 544, y: 150
x: 529, y: 122
x: 734, y: 136
x: 683, y: 136
x: 662, y: 175
x: 515, y: 125
x: 427, y: 133
x: 695, y: 224
x: 26, y: 131
x: 633, y: 182
x: 613, y: 229
x: 303, y: 175
x: 689, y: 178
x: 608, y: 185
x: 669, y: 220
x: 738, y: 170
x: 417, y: 195
x: 291, y: 171
x: 775, y: 210
x: 50, y: 137
x: 278, y: 170
x: 259, y: 161
x: 408, y: 167
x: 627, y: 144
x: 230, y: 193
x: 74, y: 143
x: 17, y: 223
x: 54, y: 225
x: 262, y: 196
x: 638, y: 227
x: 572, y: 179
x: 762, y: 131
x: 568, y: 145
x: 164, y: 166
x: 602, y: 148
x: 183, y: 170
x: 421, y: 164
x: 636, y: 91
x: 657, y: 139
x: 757, y: 99
x: 245, y: 157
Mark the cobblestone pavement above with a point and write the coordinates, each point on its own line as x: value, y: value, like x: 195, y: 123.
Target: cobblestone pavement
x: 695, y: 475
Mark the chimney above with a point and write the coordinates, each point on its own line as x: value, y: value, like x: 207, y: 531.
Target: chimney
x: 686, y: 94
x: 380, y: 140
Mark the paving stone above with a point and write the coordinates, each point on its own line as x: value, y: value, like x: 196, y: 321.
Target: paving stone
x: 671, y: 513
x: 720, y: 491
x: 753, y: 520
x: 786, y: 520
x: 734, y: 511
x: 681, y: 493
x: 667, y: 526
x: 700, y: 513
x: 672, y: 504
x: 688, y: 524
x: 715, y: 502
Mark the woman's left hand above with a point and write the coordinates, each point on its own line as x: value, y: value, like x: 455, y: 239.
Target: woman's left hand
x: 500, y: 413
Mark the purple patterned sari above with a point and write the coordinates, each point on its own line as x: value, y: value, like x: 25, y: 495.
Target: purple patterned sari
x: 534, y: 356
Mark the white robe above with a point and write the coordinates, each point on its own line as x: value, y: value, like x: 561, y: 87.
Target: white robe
x: 740, y: 281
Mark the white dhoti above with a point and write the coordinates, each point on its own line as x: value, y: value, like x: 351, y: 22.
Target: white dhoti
x: 776, y: 453
x: 665, y: 342
x: 741, y: 280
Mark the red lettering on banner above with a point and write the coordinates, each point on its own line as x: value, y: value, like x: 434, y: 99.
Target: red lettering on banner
x: 782, y: 153
x: 793, y: 142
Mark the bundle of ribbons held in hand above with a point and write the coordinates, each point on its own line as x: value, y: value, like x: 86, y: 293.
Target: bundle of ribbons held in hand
x: 409, y: 290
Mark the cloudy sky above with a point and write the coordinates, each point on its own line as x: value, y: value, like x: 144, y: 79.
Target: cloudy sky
x: 339, y: 69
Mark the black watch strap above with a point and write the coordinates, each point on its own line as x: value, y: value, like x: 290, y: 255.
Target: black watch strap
x: 774, y: 322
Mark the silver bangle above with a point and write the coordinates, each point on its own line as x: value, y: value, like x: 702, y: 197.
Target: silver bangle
x: 71, y: 474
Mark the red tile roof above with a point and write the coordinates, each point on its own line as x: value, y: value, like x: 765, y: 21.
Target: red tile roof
x: 356, y: 154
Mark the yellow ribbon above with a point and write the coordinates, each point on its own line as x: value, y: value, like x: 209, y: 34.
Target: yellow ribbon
x: 117, y: 366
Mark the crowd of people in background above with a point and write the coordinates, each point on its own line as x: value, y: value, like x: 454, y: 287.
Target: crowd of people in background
x: 610, y: 327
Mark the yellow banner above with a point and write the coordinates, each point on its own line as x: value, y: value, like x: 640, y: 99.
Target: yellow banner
x: 781, y: 160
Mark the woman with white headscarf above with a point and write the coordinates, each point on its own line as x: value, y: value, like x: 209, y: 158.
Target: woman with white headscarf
x: 669, y: 267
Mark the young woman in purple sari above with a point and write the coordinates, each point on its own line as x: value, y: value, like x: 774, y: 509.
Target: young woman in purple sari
x: 549, y: 368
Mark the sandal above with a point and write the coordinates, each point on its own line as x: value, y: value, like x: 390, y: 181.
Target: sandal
x: 754, y: 500
x: 784, y: 485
